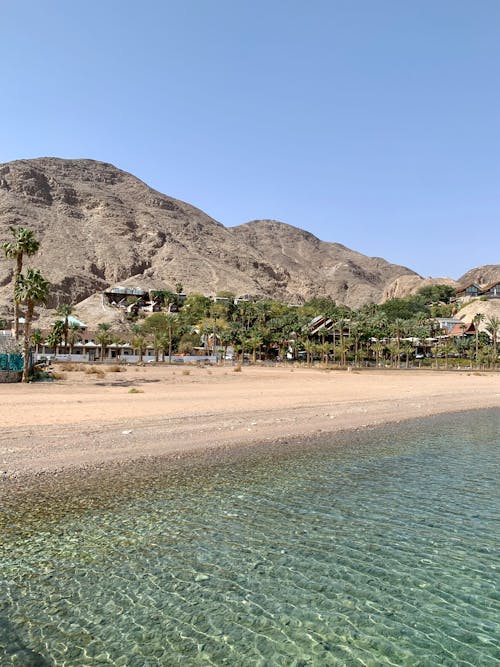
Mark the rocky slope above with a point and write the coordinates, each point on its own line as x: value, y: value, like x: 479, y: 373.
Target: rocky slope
x: 482, y: 275
x: 99, y: 226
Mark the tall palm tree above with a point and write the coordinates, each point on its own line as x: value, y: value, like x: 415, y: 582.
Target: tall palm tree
x: 103, y: 337
x: 139, y: 340
x: 36, y: 339
x: 73, y: 336
x: 30, y: 289
x: 64, y: 311
x: 493, y: 327
x: 139, y: 343
x: 377, y: 347
x: 56, y: 335
x: 23, y: 243
x: 476, y: 321
x: 254, y: 341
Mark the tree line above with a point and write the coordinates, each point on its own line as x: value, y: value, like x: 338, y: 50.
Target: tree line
x: 392, y: 333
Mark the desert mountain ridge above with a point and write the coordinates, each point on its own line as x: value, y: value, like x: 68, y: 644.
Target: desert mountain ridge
x: 99, y: 226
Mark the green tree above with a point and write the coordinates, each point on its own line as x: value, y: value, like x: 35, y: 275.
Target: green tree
x: 139, y: 340
x: 378, y: 348
x: 56, y: 335
x: 195, y: 308
x: 30, y: 289
x: 103, y: 337
x: 64, y: 311
x: 476, y: 320
x: 36, y: 339
x: 447, y: 349
x: 23, y: 243
x: 162, y: 326
x: 493, y: 327
x: 73, y: 336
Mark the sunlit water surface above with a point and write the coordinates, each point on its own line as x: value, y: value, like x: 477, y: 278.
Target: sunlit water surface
x: 384, y: 551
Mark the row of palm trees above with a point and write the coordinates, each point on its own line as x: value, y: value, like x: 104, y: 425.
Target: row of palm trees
x: 271, y: 330
x: 30, y: 288
x: 263, y: 329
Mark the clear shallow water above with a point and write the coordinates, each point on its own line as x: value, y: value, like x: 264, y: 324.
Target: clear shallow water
x: 385, y: 552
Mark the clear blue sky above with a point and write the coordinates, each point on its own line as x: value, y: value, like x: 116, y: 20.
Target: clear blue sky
x: 373, y: 123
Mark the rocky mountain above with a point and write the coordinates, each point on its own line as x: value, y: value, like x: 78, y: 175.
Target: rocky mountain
x: 482, y: 275
x: 100, y: 226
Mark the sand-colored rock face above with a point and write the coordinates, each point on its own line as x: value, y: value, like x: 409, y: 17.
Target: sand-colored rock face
x: 405, y: 285
x: 99, y: 225
x: 489, y: 309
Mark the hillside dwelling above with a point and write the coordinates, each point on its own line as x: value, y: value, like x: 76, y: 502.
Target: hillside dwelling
x: 131, y: 299
x: 463, y: 329
x: 120, y: 297
x: 319, y: 322
x: 446, y: 324
x: 246, y: 298
x: 75, y: 322
x: 471, y: 290
x: 492, y: 291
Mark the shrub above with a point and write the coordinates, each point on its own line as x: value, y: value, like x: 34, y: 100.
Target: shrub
x: 93, y: 370
x: 114, y: 369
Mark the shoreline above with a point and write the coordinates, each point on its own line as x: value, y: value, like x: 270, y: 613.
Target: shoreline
x: 80, y: 425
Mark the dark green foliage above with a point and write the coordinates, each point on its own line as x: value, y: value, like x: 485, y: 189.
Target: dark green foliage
x: 432, y: 300
x: 436, y: 293
x: 404, y: 309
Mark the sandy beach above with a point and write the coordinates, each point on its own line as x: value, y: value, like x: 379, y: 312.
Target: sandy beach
x: 87, y: 421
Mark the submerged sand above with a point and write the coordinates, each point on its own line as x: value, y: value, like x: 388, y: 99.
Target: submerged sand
x: 87, y: 421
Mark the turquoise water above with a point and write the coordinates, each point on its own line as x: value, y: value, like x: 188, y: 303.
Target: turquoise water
x: 382, y: 551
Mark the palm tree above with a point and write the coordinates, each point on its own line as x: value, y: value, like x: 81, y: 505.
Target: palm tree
x: 172, y: 329
x: 36, y: 339
x: 73, y: 336
x: 493, y: 327
x: 309, y: 346
x: 476, y: 320
x: 64, y: 311
x: 378, y: 347
x: 447, y: 348
x: 23, y: 243
x: 398, y: 329
x: 30, y: 289
x: 56, y: 335
x: 103, y: 337
x: 139, y: 343
x: 254, y: 341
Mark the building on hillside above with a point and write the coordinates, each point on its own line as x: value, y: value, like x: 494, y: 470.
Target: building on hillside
x: 463, y: 329
x: 471, y: 290
x: 492, y: 291
x: 446, y: 324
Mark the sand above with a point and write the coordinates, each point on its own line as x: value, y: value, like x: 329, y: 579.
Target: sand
x: 85, y: 421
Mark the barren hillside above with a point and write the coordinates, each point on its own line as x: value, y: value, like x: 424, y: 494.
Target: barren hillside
x: 100, y: 226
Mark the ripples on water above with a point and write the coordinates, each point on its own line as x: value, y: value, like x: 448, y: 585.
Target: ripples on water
x: 380, y: 553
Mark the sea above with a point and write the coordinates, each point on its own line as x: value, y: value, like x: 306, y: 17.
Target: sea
x: 376, y: 547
